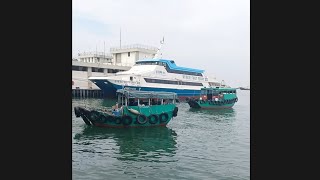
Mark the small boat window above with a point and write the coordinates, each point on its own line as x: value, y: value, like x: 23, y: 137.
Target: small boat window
x: 131, y: 78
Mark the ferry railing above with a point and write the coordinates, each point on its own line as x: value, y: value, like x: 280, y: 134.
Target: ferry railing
x: 133, y: 46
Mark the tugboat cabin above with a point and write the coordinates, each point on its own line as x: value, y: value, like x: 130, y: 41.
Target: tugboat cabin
x: 212, y: 94
x: 129, y: 97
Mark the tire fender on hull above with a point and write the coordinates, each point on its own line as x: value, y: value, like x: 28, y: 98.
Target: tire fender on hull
x: 153, y: 119
x: 175, y: 112
x: 163, y: 117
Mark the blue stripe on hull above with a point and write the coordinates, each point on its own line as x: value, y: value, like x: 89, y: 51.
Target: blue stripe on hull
x: 110, y: 89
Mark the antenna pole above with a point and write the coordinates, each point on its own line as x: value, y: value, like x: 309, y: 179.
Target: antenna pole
x: 158, y: 51
x: 96, y: 54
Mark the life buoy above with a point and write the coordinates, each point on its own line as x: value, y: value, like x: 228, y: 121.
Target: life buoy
x: 143, y: 117
x: 153, y: 119
x: 164, y: 117
x: 126, y: 120
x: 175, y: 112
x: 117, y: 120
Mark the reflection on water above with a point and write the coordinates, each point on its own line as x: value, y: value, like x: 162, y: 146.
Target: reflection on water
x: 197, y: 144
x: 142, y: 144
x: 230, y: 112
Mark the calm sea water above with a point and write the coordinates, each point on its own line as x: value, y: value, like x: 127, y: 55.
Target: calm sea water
x: 197, y: 144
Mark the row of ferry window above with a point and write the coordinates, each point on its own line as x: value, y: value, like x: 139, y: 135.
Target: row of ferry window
x: 161, y: 81
x: 160, y: 72
x: 182, y: 72
x: 195, y: 78
x: 218, y: 92
x: 120, y: 81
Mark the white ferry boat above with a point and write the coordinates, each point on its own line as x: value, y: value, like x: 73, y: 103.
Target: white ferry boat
x: 157, y: 75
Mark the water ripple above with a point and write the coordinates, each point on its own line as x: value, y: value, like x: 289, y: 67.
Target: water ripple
x: 197, y: 144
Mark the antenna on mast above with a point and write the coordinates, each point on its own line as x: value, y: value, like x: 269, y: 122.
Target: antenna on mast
x: 120, y: 37
x: 158, y: 51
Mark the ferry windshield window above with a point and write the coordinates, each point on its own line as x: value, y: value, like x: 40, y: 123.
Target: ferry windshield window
x: 147, y: 63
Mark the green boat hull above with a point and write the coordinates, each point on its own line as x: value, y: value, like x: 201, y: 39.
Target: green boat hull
x: 155, y: 115
x: 214, y: 98
x: 197, y: 104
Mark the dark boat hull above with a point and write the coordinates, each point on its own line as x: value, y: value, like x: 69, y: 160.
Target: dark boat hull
x: 158, y: 116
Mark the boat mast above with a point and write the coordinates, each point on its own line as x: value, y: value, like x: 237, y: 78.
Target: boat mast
x: 222, y: 84
x: 158, y: 51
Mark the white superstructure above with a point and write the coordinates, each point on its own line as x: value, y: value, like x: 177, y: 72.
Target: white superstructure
x: 100, y: 64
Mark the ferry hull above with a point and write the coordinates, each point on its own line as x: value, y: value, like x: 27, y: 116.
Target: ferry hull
x: 109, y: 89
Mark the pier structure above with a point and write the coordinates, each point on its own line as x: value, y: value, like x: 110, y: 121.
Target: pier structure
x: 97, y: 64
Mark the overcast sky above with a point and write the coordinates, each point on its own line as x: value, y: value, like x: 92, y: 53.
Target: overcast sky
x: 213, y: 35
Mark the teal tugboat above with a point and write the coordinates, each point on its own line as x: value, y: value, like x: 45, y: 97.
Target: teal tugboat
x: 135, y: 109
x: 214, y: 98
